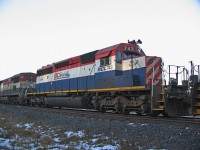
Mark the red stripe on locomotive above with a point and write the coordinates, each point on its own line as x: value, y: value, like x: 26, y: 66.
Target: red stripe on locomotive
x: 154, y: 67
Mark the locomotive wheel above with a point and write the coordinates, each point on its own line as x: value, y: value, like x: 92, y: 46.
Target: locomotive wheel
x: 126, y: 111
x: 96, y: 106
x: 33, y: 104
x: 154, y: 114
x: 103, y: 109
x: 117, y: 109
x: 43, y: 104
x: 165, y: 114
x: 139, y: 113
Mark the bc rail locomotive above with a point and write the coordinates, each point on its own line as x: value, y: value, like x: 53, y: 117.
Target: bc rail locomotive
x: 119, y: 78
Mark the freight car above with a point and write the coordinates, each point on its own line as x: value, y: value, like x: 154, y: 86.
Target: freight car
x: 119, y: 78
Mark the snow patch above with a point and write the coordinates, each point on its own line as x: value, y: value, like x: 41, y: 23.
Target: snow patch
x: 57, y: 140
x: 94, y: 140
x: 106, y: 147
x: 144, y: 124
x: 70, y: 134
x: 28, y: 125
x: 106, y: 137
x: 131, y: 124
x: 5, y: 143
x: 18, y: 125
x: 85, y: 145
x: 1, y: 130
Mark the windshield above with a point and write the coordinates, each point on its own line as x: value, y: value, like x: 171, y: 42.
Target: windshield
x: 129, y: 55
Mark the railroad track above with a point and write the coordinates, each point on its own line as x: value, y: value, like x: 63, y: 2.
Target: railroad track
x: 110, y: 116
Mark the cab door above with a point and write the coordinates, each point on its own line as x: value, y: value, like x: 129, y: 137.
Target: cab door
x: 118, y: 64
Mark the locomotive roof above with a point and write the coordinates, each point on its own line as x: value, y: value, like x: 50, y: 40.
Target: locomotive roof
x: 108, y: 49
x: 22, y: 73
x: 84, y: 57
x: 16, y: 75
x: 45, y: 67
x: 115, y: 47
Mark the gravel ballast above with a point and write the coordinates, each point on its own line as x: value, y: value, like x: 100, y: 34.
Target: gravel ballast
x: 138, y: 133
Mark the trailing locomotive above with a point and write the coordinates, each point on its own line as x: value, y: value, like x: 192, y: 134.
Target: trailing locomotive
x: 14, y: 89
x: 120, y: 78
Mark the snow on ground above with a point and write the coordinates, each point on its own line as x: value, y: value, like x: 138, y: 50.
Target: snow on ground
x: 131, y: 124
x: 78, y: 134
x: 5, y: 143
x: 196, y: 116
x: 52, y: 138
x: 144, y: 124
x: 27, y: 125
x: 134, y: 125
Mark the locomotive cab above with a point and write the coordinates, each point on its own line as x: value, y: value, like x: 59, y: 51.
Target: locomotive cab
x: 132, y: 80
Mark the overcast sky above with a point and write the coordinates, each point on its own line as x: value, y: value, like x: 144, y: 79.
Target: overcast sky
x: 34, y: 33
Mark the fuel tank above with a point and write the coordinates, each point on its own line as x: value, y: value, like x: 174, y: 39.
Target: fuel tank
x: 70, y: 102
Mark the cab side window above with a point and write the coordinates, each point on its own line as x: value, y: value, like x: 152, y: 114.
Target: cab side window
x: 119, y: 57
x: 104, y: 61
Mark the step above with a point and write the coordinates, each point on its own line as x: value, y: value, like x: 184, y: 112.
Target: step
x: 161, y: 101
x: 197, y: 104
x: 161, y: 107
x: 198, y: 96
x: 197, y: 111
x: 158, y: 109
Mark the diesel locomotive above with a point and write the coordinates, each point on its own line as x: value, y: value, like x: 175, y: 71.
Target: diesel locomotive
x: 120, y: 78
